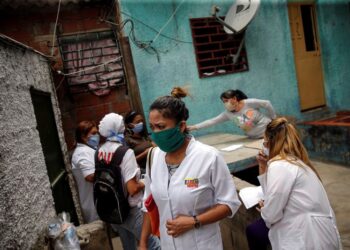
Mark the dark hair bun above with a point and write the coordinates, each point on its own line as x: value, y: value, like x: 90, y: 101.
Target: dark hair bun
x: 179, y: 92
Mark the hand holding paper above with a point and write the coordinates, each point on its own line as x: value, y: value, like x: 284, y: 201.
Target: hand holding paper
x: 251, y: 196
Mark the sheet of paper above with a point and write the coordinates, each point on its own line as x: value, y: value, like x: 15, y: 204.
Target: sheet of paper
x: 232, y: 147
x: 251, y: 196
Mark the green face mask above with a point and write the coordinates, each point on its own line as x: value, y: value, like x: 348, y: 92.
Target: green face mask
x: 170, y: 139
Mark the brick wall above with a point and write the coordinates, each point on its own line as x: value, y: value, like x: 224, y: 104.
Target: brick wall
x: 214, y: 48
x: 34, y: 27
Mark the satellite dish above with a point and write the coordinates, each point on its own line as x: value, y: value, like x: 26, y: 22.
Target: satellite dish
x: 237, y: 19
x: 241, y: 14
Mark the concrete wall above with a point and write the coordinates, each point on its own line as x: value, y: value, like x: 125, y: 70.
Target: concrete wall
x: 26, y: 199
x: 35, y: 26
x: 334, y: 29
x: 328, y: 143
x: 271, y: 72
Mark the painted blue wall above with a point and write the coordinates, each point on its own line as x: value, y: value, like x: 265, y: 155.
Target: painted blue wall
x: 271, y: 72
x: 334, y: 29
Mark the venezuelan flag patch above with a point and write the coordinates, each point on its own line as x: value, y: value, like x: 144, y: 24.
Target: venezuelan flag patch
x: 191, y: 182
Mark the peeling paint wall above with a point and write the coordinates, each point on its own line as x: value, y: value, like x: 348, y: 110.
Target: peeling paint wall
x: 330, y: 143
x: 269, y: 48
x: 26, y: 200
x: 334, y: 29
x: 34, y: 27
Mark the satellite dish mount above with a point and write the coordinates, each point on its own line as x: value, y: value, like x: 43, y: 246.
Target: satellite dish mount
x: 237, y: 19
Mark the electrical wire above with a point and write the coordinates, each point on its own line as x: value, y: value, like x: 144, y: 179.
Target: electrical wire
x: 59, y: 85
x: 89, y: 68
x: 166, y: 24
x: 54, y: 29
x: 153, y: 29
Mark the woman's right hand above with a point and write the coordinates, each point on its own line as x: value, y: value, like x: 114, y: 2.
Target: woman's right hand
x: 262, y: 160
x: 191, y: 128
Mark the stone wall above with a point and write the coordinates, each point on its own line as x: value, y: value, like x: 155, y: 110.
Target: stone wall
x: 327, y: 143
x: 26, y: 199
x: 34, y: 27
x: 233, y: 229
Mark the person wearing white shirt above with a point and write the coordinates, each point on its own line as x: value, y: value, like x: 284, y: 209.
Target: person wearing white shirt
x: 190, y: 182
x: 112, y: 127
x: 296, y: 208
x: 244, y: 112
x: 83, y: 167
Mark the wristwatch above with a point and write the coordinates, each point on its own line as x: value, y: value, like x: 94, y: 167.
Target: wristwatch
x: 197, y: 223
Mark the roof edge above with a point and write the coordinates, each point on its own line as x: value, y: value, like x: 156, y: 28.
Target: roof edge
x: 12, y: 41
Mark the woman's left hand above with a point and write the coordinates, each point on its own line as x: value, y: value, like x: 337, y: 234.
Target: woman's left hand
x: 261, y: 205
x: 179, y: 225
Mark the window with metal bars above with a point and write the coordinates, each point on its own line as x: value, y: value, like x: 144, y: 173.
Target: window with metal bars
x: 92, y: 62
x: 217, y: 53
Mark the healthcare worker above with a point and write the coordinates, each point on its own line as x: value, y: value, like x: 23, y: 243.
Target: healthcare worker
x: 244, y: 112
x: 189, y: 181
x: 83, y: 167
x: 296, y: 207
x: 111, y: 127
x: 136, y: 137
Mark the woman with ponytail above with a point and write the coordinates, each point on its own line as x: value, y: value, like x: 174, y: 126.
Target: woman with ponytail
x: 189, y: 181
x: 244, y: 112
x: 295, y: 207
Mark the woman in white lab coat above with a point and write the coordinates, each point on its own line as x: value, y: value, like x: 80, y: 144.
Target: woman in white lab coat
x: 190, y: 182
x: 296, y: 207
x: 83, y: 166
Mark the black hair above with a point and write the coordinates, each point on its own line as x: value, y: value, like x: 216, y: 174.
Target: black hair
x: 233, y: 93
x: 129, y: 117
x: 172, y: 107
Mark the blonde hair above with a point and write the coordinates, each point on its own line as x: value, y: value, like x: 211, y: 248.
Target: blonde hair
x: 285, y: 143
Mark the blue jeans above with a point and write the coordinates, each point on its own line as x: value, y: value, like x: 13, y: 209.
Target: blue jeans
x: 130, y: 231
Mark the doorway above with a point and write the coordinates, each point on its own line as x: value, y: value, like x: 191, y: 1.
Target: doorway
x: 307, y: 55
x: 46, y: 125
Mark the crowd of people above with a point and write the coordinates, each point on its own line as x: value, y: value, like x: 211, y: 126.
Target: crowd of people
x: 190, y: 182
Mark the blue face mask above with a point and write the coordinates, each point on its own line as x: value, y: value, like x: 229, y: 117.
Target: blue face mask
x: 170, y: 139
x: 93, y: 141
x: 138, y: 128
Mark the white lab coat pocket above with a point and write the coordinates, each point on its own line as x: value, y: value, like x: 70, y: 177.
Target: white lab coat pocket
x: 208, y: 237
x: 324, y: 233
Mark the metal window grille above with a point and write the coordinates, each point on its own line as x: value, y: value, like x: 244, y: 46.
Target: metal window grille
x: 92, y: 62
x: 215, y: 49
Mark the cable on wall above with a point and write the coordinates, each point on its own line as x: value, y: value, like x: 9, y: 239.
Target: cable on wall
x: 55, y: 27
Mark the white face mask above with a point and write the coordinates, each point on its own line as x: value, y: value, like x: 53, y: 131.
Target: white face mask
x: 266, y: 150
x: 229, y: 106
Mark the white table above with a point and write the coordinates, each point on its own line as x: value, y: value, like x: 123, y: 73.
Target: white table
x: 238, y: 159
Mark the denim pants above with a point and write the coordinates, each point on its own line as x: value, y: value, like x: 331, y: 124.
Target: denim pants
x: 130, y: 231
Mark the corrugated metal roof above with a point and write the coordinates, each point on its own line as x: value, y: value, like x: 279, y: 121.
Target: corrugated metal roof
x: 38, y: 3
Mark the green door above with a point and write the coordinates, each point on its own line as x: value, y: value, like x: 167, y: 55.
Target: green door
x: 46, y: 125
